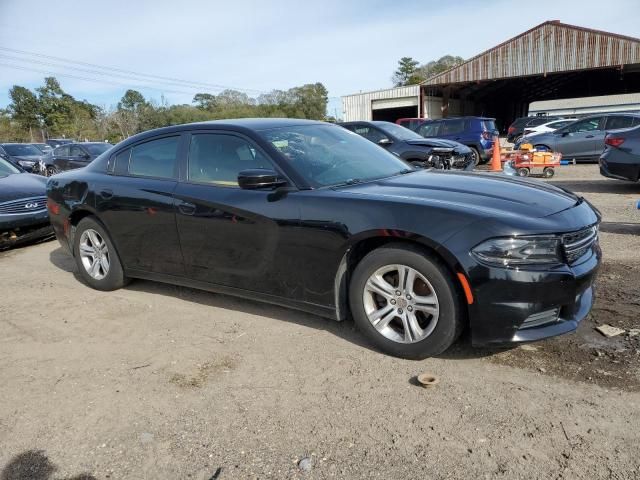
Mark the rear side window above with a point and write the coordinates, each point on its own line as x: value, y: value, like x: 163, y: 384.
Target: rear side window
x: 451, y: 127
x: 219, y: 158
x: 156, y: 158
x: 488, y: 125
x: 620, y: 121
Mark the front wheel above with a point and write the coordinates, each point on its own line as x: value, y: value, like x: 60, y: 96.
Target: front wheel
x: 523, y: 172
x: 548, y: 172
x: 50, y: 171
x: 96, y: 257
x: 405, y: 302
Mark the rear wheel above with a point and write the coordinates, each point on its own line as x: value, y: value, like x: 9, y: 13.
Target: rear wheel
x: 97, y: 260
x: 542, y: 148
x: 523, y: 172
x: 475, y: 155
x: 548, y: 172
x: 405, y: 302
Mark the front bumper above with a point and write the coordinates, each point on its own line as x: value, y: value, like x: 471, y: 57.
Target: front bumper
x: 504, y: 299
x: 18, y: 229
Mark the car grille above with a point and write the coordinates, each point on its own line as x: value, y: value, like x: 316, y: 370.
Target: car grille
x: 576, y: 244
x: 24, y: 205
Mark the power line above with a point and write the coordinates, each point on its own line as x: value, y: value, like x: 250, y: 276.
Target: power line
x: 96, y: 72
x: 96, y: 80
x: 129, y: 72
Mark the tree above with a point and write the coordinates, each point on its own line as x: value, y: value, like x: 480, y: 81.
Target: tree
x: 205, y: 101
x: 406, y: 72
x: 435, y: 67
x: 24, y: 109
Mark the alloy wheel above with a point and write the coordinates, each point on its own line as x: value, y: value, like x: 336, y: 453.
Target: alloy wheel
x: 94, y: 254
x: 401, y: 304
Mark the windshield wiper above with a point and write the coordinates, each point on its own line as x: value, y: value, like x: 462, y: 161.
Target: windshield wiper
x: 351, y: 181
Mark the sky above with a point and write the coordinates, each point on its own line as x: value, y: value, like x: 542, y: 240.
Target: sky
x: 257, y: 46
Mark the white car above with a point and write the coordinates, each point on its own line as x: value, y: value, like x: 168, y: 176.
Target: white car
x: 549, y: 126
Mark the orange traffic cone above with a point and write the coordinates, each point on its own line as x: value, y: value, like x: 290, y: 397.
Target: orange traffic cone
x: 496, y: 164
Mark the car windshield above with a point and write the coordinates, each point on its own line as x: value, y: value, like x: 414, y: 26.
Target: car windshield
x: 7, y: 169
x: 97, y: 148
x: 329, y: 155
x: 401, y: 133
x: 19, y: 150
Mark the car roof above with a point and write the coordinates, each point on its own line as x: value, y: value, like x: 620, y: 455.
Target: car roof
x: 84, y: 143
x: 14, y: 143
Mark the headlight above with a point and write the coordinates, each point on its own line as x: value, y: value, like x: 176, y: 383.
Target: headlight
x: 515, y: 251
x: 26, y: 163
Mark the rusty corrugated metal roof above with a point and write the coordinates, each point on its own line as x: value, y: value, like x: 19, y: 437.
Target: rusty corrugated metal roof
x: 550, y: 47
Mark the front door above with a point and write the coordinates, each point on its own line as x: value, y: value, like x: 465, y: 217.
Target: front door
x: 230, y: 236
x: 77, y: 157
x: 580, y: 139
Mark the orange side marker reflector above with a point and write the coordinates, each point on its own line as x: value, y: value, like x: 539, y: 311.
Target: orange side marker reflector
x: 467, y: 289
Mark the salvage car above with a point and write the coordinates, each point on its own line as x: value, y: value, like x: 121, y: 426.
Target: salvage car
x: 23, y: 209
x: 23, y: 155
x: 582, y: 140
x: 477, y: 133
x: 421, y: 152
x: 312, y: 216
x: 74, y: 155
x: 621, y: 156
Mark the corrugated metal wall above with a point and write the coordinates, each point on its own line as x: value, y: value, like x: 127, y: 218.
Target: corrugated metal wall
x: 358, y: 106
x: 550, y: 47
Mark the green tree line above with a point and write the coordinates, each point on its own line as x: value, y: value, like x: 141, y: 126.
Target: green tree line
x: 49, y: 112
x: 410, y: 72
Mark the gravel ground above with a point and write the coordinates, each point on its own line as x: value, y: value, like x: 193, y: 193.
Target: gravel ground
x: 155, y: 381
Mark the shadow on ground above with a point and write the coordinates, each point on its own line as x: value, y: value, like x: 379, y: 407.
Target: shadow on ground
x: 35, y: 465
x: 599, y: 186
x: 346, y: 330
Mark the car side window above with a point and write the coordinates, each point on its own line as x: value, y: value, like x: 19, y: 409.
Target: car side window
x: 61, y: 151
x: 451, y: 127
x: 619, y: 121
x: 588, y: 125
x: 156, y: 158
x: 430, y: 129
x: 218, y: 158
x: 372, y: 134
x: 76, y: 151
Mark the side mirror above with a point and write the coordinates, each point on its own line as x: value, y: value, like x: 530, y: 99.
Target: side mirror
x: 384, y: 142
x: 565, y: 134
x: 260, y: 178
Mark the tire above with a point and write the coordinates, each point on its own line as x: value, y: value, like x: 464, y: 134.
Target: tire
x: 542, y: 148
x: 108, y: 276
x: 477, y: 160
x: 548, y: 172
x: 436, y: 332
x: 50, y: 171
x: 523, y: 172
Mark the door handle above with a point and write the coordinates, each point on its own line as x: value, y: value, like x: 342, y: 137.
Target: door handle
x: 106, y: 193
x: 187, y: 208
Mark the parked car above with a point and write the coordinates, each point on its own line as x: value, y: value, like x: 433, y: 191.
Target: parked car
x: 74, y: 155
x: 477, y: 133
x: 23, y: 209
x: 582, y: 140
x: 24, y: 155
x: 311, y: 216
x: 413, y: 148
x: 548, y: 126
x: 621, y: 156
x: 43, y: 147
x: 516, y: 129
x: 56, y: 142
x: 411, y: 123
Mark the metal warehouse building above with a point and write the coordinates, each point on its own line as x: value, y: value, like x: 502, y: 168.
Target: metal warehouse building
x: 550, y: 61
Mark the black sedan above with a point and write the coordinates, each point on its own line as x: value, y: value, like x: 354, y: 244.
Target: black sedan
x: 23, y: 209
x: 74, y: 155
x: 621, y: 156
x: 313, y: 216
x: 415, y: 149
x: 23, y: 155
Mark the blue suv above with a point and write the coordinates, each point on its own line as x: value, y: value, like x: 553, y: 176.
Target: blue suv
x: 477, y: 133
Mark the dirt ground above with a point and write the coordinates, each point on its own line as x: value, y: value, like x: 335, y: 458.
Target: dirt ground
x: 156, y: 381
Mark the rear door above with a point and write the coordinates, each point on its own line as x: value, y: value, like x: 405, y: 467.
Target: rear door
x: 135, y: 201
x: 452, y: 129
x: 231, y: 236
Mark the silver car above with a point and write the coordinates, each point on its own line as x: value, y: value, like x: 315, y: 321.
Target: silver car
x: 582, y: 140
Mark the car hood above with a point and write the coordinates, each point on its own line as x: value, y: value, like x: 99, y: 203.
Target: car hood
x: 495, y: 194
x: 22, y: 185
x: 439, y: 143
